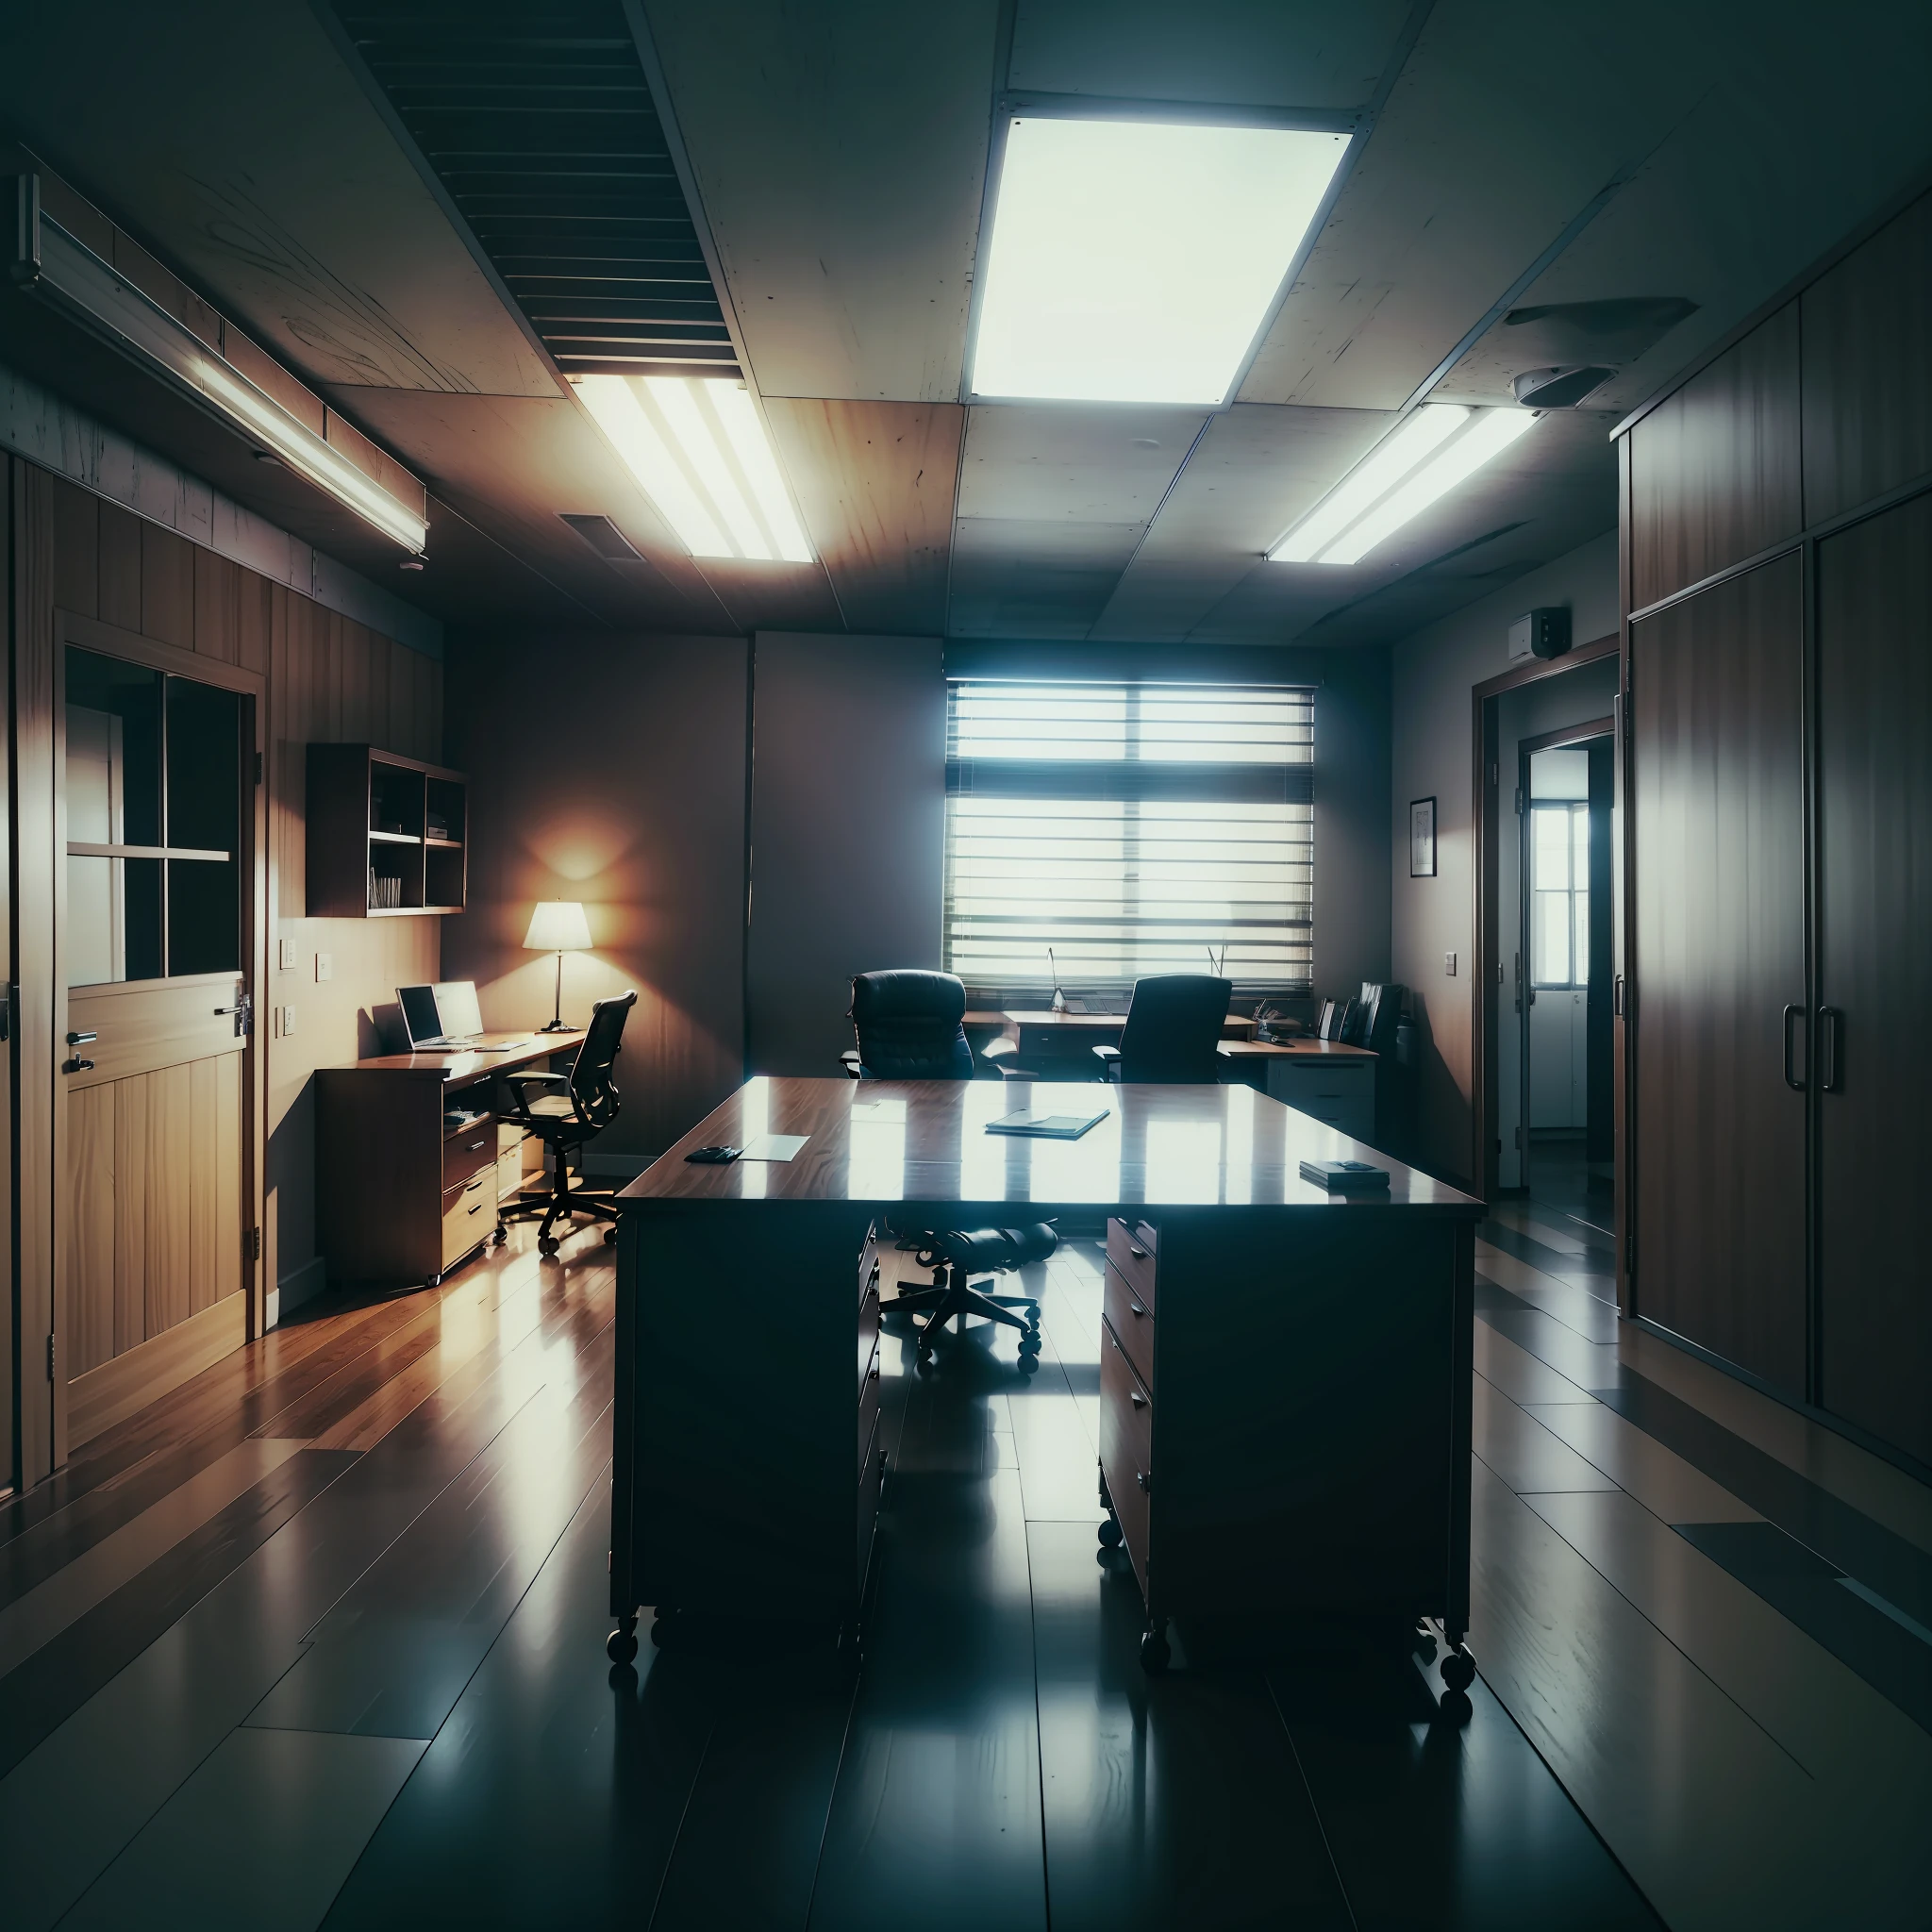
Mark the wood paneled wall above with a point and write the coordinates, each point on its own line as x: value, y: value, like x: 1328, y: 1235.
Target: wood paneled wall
x: 328, y: 677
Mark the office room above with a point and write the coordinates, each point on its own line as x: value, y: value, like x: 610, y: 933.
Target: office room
x: 962, y: 965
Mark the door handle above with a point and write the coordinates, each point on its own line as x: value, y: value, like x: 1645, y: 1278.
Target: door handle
x: 82, y: 1038
x: 1791, y: 1080
x: 1831, y: 1073
x: 1145, y: 1480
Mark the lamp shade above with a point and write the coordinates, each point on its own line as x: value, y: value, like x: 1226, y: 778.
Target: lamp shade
x: 558, y: 926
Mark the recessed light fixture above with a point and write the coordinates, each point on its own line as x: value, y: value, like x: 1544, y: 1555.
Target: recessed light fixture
x: 1432, y: 451
x: 1137, y: 260
x: 699, y: 448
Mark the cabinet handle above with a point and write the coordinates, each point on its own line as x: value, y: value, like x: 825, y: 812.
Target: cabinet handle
x: 1136, y: 1308
x: 1831, y: 1076
x: 479, y: 1208
x: 1139, y: 1254
x: 1134, y: 1396
x: 1791, y: 1013
x: 1145, y: 1480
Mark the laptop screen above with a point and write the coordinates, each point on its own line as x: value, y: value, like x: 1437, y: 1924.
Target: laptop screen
x: 456, y: 1006
x: 420, y: 1020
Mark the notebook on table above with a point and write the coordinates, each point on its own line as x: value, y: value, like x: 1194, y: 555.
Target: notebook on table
x: 1047, y: 1127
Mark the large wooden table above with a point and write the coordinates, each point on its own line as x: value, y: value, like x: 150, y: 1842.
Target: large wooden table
x: 1294, y: 1446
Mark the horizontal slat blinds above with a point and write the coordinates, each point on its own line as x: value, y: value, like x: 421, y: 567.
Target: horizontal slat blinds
x: 1133, y: 828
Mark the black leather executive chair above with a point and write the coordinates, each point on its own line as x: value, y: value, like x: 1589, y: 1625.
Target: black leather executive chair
x: 908, y: 1025
x: 566, y: 1120
x: 1377, y: 1013
x: 1173, y: 1034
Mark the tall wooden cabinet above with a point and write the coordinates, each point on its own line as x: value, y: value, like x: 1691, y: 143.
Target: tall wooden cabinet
x: 1777, y: 526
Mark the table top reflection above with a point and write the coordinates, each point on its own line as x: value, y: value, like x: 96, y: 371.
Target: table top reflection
x: 886, y: 1141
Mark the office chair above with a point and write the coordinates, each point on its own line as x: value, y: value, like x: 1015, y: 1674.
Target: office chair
x: 1376, y: 1015
x: 565, y: 1121
x: 1173, y: 1034
x: 955, y: 1255
x: 907, y: 1025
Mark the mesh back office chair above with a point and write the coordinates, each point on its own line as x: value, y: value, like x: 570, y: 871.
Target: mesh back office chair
x: 1173, y: 1034
x: 908, y: 1025
x: 565, y: 1121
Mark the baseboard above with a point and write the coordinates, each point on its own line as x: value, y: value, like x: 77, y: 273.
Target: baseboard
x: 112, y: 1392
x: 303, y: 1285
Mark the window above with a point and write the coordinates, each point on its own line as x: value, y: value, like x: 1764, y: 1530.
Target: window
x: 1560, y: 894
x: 1133, y: 828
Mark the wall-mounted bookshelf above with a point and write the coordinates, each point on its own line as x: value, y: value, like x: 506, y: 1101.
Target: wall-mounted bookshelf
x: 387, y: 836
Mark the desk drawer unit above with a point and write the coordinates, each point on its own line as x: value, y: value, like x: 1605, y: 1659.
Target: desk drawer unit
x: 1127, y: 1450
x: 466, y: 1149
x: 469, y: 1214
x: 1341, y: 1093
x: 1132, y: 1249
x: 1132, y: 1321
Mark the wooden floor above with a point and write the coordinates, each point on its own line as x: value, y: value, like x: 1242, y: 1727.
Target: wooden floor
x: 319, y: 1639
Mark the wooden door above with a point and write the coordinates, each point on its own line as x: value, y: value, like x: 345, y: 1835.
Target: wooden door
x: 156, y: 940
x: 1717, y: 940
x: 1875, y: 793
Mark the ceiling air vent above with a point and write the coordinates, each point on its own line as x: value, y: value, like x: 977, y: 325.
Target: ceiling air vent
x: 604, y: 537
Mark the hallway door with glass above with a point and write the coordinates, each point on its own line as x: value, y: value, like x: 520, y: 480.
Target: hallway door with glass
x: 157, y: 929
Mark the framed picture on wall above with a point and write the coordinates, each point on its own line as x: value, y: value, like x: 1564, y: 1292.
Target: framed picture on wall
x: 1422, y: 838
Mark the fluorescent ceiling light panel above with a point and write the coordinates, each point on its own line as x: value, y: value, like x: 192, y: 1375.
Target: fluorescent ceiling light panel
x: 699, y: 447
x: 1437, y: 448
x: 70, y: 277
x: 1135, y: 261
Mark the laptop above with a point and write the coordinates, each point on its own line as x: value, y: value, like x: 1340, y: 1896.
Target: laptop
x: 446, y: 1018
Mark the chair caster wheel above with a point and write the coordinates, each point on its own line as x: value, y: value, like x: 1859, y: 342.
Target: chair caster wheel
x: 663, y: 1628
x: 1154, y: 1655
x: 1455, y: 1708
x: 611, y: 1238
x: 620, y: 1646
x: 1459, y: 1668
x: 502, y: 1235
x: 548, y: 1244
x: 1109, y: 1535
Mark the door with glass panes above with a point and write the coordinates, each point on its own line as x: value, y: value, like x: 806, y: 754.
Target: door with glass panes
x: 155, y: 916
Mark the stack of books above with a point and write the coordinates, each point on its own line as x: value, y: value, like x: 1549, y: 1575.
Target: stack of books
x: 385, y: 891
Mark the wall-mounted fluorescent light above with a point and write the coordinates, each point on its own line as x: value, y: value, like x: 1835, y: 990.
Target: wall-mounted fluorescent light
x: 1135, y: 262
x: 699, y: 448
x: 50, y: 264
x: 1432, y: 452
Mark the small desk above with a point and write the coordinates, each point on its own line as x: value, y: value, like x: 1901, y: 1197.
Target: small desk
x: 1330, y: 1082
x: 401, y: 1195
x: 1293, y: 1444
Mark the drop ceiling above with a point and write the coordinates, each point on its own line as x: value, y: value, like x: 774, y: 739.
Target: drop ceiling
x: 425, y: 231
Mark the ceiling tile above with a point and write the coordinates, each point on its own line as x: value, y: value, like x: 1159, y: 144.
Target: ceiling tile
x: 1260, y: 53
x: 1034, y: 580
x: 1071, y: 462
x: 874, y: 484
x: 840, y: 150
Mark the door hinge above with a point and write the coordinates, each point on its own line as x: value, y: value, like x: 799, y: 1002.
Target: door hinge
x: 258, y: 768
x: 1519, y: 800
x: 251, y: 1244
x: 53, y: 1357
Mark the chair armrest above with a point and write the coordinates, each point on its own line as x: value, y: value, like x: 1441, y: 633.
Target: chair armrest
x: 1107, y: 1054
x: 849, y: 1061
x: 998, y: 1050
x: 535, y: 1080
x: 1012, y: 1073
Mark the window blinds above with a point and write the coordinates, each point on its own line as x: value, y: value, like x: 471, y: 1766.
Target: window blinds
x: 1135, y: 828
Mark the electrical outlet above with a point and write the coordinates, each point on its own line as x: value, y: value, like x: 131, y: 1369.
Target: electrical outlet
x: 288, y: 955
x: 324, y: 967
x: 287, y: 1022
x: 1449, y: 964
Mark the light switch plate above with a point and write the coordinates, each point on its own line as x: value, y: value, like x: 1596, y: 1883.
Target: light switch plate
x: 324, y: 967
x: 288, y: 955
x: 1449, y: 964
x: 288, y: 1021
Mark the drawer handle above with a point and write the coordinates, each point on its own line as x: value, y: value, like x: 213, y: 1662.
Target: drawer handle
x: 872, y: 1373
x: 472, y: 1146
x: 478, y: 1207
x: 1145, y: 1480
x: 1134, y: 1396
x: 1136, y: 1308
x: 1139, y: 1254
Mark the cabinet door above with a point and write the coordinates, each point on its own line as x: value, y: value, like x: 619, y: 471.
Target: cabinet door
x: 1717, y: 814
x: 1874, y: 651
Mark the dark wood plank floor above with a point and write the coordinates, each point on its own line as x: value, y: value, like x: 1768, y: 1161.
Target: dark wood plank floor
x: 319, y: 1639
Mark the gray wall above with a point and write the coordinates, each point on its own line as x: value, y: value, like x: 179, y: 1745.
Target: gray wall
x: 1433, y: 674
x: 609, y: 770
x: 848, y: 831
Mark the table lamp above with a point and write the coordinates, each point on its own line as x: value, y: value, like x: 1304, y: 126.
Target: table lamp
x: 558, y: 926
